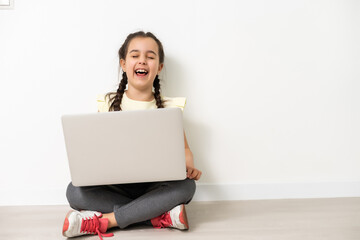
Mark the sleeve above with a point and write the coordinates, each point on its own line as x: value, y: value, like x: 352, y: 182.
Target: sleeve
x: 179, y: 102
x: 101, y: 103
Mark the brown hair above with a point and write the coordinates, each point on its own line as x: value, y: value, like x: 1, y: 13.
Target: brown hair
x: 118, y: 95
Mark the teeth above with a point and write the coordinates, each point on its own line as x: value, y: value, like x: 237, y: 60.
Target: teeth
x: 141, y: 71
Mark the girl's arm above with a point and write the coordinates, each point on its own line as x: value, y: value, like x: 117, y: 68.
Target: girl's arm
x: 192, y: 172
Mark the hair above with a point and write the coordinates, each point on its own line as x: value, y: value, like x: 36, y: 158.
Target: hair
x: 116, y: 97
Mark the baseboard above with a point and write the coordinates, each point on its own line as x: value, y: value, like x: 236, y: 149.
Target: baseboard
x: 256, y: 191
x: 204, y: 192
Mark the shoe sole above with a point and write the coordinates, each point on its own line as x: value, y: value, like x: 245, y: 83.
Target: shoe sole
x: 183, y: 217
x: 66, y: 223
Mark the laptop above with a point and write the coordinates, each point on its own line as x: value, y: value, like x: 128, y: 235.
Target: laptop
x: 125, y: 146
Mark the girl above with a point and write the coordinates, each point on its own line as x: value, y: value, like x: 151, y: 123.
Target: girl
x: 159, y: 204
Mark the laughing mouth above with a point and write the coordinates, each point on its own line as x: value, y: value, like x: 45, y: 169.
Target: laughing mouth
x: 141, y: 72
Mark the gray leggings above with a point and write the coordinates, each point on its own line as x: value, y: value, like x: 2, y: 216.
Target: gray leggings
x: 132, y: 203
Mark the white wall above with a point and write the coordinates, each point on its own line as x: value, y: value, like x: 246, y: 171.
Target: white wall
x: 272, y: 90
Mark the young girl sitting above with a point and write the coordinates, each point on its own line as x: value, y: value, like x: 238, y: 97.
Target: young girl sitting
x: 159, y: 204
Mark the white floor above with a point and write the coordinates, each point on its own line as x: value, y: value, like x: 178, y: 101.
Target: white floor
x: 296, y: 219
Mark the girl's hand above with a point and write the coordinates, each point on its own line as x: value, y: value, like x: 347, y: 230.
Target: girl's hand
x: 193, y: 173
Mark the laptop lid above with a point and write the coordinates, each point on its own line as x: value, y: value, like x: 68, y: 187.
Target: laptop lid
x: 125, y: 146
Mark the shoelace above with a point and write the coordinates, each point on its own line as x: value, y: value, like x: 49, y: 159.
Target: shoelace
x: 164, y: 221
x: 91, y: 225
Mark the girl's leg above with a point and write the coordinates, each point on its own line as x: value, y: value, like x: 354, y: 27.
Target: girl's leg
x: 159, y: 198
x: 97, y: 198
x: 94, y: 198
x: 103, y: 199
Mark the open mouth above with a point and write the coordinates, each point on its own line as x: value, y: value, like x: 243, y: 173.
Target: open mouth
x: 141, y: 72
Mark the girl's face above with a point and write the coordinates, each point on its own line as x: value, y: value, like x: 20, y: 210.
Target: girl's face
x: 141, y: 63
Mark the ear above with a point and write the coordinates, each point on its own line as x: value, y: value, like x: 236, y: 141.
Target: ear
x: 160, y: 67
x: 122, y: 64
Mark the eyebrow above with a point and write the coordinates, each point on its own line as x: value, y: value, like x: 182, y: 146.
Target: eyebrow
x: 135, y: 50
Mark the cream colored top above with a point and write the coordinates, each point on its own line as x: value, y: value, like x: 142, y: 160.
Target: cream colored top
x: 130, y: 104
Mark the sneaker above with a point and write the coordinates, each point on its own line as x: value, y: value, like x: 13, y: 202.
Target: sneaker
x: 175, y: 218
x: 85, y: 222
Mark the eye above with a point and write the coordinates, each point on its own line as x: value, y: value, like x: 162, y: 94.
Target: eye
x: 134, y: 56
x: 151, y: 57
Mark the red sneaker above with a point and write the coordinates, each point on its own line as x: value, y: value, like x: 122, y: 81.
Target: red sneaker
x: 85, y: 222
x: 175, y: 218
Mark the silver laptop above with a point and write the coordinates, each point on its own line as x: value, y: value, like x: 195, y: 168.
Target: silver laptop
x: 125, y: 146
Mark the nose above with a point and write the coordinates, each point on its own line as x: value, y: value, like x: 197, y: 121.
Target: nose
x: 142, y: 60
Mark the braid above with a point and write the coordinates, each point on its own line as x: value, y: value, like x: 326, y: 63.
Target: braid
x: 115, y: 105
x: 159, y: 101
